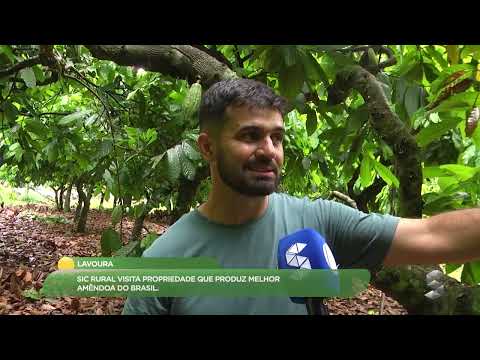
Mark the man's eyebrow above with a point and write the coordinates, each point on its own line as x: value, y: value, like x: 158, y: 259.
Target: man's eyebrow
x: 257, y: 128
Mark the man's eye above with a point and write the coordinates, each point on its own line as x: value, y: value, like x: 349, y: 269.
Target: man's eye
x: 250, y: 137
x: 277, y: 138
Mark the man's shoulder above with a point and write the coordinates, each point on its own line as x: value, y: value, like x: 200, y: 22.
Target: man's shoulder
x: 291, y: 200
x: 176, y: 238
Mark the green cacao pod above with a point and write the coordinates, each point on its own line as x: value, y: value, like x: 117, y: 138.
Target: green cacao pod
x: 191, y: 104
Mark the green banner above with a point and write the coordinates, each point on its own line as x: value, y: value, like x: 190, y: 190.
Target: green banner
x: 99, y: 263
x: 206, y: 282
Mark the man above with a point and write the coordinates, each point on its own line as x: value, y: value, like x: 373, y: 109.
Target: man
x: 242, y: 129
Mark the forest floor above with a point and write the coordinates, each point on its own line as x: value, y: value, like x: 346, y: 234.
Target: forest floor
x: 34, y: 237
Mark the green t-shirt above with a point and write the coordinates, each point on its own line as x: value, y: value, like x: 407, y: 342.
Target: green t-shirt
x: 357, y: 240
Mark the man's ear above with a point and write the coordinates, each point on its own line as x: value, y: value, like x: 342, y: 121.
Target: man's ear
x: 206, y: 146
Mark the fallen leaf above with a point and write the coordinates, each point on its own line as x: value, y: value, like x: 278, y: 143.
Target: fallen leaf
x: 19, y: 273
x: 75, y: 305
x: 28, y: 277
x: 48, y: 307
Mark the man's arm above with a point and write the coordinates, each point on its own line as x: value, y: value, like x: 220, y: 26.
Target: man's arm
x: 452, y: 237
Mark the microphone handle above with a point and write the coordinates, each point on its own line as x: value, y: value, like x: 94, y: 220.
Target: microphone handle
x: 316, y: 306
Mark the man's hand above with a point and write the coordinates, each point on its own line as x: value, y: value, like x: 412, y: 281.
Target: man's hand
x: 453, y: 237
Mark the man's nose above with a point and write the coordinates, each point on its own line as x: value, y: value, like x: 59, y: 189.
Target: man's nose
x: 266, y: 148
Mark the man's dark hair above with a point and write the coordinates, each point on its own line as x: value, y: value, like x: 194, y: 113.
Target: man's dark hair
x: 236, y: 93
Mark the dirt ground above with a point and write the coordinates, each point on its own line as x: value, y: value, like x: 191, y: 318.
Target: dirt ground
x: 30, y: 249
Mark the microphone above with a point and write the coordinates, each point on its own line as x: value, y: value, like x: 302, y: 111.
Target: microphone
x: 306, y: 249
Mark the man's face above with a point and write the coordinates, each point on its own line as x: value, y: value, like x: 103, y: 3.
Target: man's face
x: 249, y: 154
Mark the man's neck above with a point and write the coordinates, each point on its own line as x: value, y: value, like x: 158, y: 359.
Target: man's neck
x: 231, y: 208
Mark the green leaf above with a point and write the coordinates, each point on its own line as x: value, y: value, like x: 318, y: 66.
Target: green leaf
x: 28, y: 76
x: 7, y: 50
x: 39, y: 75
x: 386, y: 174
x: 313, y: 70
x: 471, y: 273
x: 35, y: 126
x: 435, y: 54
x: 116, y: 215
x: 476, y: 137
x: 462, y: 172
x: 341, y: 60
x: 449, y: 268
x: 462, y: 101
x: 306, y: 163
x: 15, y: 150
x: 447, y: 184
x: 110, y: 242
x: 129, y: 250
x: 366, y: 175
x: 434, y: 171
x: 104, y: 148
x: 434, y: 131
x: 415, y: 73
x: 10, y: 111
x: 291, y: 80
x: 91, y: 119
x: 323, y: 48
x: 311, y: 121
x: 148, y: 240
x: 289, y: 54
x: 69, y: 119
x: 52, y: 151
x: 132, y: 94
x: 412, y: 100
x: 399, y: 91
x: 431, y: 73
x: 386, y: 85
x: 107, y: 176
x: 138, y: 210
x: 357, y: 118
x: 32, y: 294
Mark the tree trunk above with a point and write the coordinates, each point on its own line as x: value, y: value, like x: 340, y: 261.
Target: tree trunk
x: 83, y: 212
x: 68, y: 195
x: 408, y: 286
x: 56, y: 197
x: 102, y: 198
x: 60, y: 200
x: 138, y: 226
x: 127, y: 201
x: 78, y: 210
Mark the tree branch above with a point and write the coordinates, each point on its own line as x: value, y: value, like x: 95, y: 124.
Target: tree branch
x: 345, y: 198
x: 391, y: 130
x: 392, y: 60
x: 216, y: 54
x: 181, y: 61
x: 44, y: 58
x: 21, y: 65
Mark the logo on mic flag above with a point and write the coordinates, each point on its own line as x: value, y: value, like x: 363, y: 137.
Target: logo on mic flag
x: 294, y: 259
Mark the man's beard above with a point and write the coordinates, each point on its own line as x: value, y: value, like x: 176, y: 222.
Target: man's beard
x: 245, y: 183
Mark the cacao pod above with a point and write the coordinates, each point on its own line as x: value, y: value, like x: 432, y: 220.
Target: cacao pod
x: 472, y: 121
x: 191, y: 104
